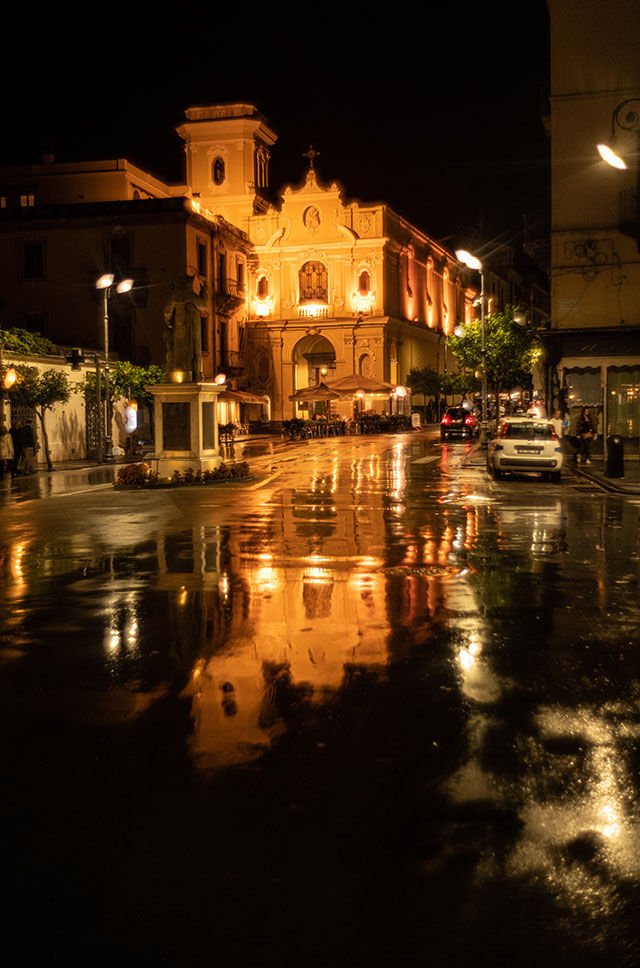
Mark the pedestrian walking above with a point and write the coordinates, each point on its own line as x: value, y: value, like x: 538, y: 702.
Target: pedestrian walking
x: 585, y: 433
x: 14, y: 430
x: 6, y: 451
x: 558, y: 423
x: 28, y: 444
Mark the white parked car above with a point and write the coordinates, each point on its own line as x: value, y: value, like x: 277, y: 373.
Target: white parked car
x: 525, y: 444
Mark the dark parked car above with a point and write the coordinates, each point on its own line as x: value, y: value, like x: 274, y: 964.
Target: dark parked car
x: 458, y: 421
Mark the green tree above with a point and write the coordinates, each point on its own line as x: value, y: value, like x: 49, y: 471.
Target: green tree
x: 125, y: 380
x: 511, y: 350
x: 464, y: 383
x: 424, y: 380
x: 24, y: 343
x: 40, y: 392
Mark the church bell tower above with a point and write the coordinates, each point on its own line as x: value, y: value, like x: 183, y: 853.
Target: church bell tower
x: 227, y: 148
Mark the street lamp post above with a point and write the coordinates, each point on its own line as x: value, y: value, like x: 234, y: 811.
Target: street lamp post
x: 105, y: 282
x: 472, y: 262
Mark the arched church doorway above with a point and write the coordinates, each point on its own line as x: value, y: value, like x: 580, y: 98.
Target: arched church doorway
x: 314, y: 361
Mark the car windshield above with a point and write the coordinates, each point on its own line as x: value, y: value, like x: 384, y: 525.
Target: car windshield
x: 528, y: 430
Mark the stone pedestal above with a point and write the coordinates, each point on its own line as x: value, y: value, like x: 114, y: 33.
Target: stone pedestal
x: 186, y: 427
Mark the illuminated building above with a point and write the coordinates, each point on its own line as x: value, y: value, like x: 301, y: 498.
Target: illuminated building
x: 86, y: 218
x: 335, y: 286
x: 594, y: 345
x: 308, y: 287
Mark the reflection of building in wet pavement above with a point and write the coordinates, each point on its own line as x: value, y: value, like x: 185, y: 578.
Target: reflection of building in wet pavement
x: 314, y: 602
x: 323, y: 588
x: 306, y: 621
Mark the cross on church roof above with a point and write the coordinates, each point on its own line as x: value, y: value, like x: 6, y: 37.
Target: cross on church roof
x: 311, y: 154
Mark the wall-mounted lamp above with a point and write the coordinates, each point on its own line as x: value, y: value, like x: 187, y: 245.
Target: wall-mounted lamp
x: 220, y: 379
x: 625, y: 118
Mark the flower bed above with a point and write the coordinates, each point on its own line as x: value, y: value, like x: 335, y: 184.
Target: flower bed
x: 141, y: 475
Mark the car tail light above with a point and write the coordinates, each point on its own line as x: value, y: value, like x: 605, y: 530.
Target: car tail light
x: 470, y: 420
x: 446, y: 419
x: 505, y: 431
x: 554, y: 435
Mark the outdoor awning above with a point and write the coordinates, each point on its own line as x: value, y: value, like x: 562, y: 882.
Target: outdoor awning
x: 240, y: 396
x: 318, y: 392
x: 348, y: 385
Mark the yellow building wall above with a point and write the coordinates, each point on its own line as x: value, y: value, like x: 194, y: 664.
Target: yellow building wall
x: 595, y: 269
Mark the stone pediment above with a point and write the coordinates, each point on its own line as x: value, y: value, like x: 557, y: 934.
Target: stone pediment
x: 312, y: 211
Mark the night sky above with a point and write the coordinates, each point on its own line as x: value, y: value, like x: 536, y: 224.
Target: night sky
x: 432, y: 109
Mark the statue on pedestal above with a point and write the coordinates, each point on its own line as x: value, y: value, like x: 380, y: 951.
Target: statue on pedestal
x: 182, y: 327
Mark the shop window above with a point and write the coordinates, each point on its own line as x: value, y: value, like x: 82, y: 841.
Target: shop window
x: 623, y: 401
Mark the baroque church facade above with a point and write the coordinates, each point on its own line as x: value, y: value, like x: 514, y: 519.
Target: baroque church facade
x: 334, y: 287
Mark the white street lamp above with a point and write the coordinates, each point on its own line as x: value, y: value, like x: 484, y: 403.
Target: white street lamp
x: 105, y: 282
x: 472, y: 262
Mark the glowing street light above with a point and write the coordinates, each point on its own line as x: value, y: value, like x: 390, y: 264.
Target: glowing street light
x: 626, y: 118
x: 472, y: 262
x: 609, y: 155
x: 105, y: 282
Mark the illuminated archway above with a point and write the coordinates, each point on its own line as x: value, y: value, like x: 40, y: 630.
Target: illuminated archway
x: 314, y: 361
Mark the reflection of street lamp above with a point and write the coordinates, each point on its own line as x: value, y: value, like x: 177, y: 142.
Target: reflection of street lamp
x: 105, y: 283
x: 472, y: 262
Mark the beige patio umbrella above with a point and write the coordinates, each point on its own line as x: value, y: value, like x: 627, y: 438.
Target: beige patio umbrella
x: 348, y: 385
x: 318, y: 392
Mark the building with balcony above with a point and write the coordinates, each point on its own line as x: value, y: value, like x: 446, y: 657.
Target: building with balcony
x: 594, y: 343
x: 63, y: 225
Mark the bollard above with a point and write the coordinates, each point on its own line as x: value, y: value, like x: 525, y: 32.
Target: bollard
x: 615, y: 456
